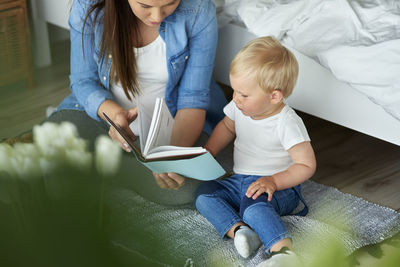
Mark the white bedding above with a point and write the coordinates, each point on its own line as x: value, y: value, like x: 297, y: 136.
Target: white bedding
x: 373, y: 70
x: 357, y: 39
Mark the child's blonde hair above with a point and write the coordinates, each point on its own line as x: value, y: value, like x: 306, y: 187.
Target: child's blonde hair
x: 272, y: 65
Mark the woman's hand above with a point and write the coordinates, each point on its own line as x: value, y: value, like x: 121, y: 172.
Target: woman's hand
x: 169, y: 180
x: 264, y: 184
x: 123, y: 118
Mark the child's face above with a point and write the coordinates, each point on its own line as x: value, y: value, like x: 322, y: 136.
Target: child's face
x: 250, y: 98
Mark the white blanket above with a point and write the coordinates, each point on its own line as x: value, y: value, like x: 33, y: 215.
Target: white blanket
x: 353, y: 34
x: 373, y: 70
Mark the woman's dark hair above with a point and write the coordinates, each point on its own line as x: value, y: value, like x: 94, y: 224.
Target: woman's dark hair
x: 120, y: 35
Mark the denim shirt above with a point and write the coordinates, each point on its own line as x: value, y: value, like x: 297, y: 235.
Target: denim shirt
x: 190, y: 35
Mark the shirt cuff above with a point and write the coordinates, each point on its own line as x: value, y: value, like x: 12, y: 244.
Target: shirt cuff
x: 94, y: 101
x: 198, y: 101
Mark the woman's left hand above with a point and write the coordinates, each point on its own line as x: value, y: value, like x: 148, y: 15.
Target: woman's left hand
x: 264, y: 184
x: 169, y: 180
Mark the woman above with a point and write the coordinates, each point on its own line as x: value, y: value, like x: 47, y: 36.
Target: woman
x: 126, y: 53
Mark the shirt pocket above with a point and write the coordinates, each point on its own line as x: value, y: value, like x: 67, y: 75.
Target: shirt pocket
x: 178, y: 63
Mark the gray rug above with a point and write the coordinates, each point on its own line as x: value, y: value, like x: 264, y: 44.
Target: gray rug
x: 180, y: 236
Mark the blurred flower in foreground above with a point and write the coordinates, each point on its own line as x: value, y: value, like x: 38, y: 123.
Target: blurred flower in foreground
x: 60, y: 143
x: 108, y: 156
x: 55, y: 145
x: 6, y: 154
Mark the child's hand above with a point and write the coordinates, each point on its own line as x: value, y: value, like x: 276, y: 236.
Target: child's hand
x: 262, y: 185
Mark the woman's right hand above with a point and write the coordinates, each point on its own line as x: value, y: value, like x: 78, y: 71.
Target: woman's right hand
x: 123, y: 118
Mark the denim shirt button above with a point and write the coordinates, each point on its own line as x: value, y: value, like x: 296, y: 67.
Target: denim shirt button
x: 110, y: 56
x: 76, y: 105
x: 186, y: 57
x: 104, y: 78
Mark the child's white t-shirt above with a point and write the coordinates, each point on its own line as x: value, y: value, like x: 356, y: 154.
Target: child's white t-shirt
x: 261, y: 146
x: 152, y: 77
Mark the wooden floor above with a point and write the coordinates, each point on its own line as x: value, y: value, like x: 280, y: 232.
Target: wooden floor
x: 350, y: 161
x: 355, y: 163
x: 21, y: 107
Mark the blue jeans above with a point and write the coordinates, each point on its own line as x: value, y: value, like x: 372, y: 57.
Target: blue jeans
x: 224, y: 203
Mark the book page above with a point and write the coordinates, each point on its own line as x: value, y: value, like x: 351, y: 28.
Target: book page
x: 173, y: 151
x: 160, y: 128
x: 144, y: 126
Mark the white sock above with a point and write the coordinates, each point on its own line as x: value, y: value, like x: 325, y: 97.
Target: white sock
x: 246, y: 241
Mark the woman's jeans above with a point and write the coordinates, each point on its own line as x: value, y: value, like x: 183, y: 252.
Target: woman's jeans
x: 224, y: 203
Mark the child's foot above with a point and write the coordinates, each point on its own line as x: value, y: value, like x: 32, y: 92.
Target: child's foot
x: 283, y: 258
x: 246, y: 241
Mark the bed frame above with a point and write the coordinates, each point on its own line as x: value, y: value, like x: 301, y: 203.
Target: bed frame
x: 55, y: 12
x: 317, y: 91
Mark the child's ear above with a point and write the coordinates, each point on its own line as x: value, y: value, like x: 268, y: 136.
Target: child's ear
x: 276, y: 96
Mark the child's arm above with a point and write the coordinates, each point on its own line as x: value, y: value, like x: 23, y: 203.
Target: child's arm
x: 222, y: 135
x: 303, y: 167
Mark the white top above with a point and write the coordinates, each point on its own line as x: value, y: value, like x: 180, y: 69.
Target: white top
x: 152, y: 77
x: 261, y: 146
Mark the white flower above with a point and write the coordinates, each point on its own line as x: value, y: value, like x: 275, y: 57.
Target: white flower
x: 44, y: 136
x: 6, y: 153
x: 78, y: 158
x: 108, y: 155
x: 67, y: 130
x: 54, y: 146
x: 47, y: 166
x: 60, y: 143
x: 26, y: 150
x: 20, y: 160
x: 25, y: 166
x: 53, y: 139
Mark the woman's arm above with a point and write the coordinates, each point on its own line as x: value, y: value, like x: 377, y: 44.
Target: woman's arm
x: 194, y: 91
x: 84, y: 77
x: 194, y: 88
x: 188, y: 125
x: 85, y: 80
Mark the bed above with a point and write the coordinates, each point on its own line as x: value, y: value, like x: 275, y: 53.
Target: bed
x: 336, y: 82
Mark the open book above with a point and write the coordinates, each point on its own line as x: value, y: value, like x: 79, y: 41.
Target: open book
x: 160, y: 157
